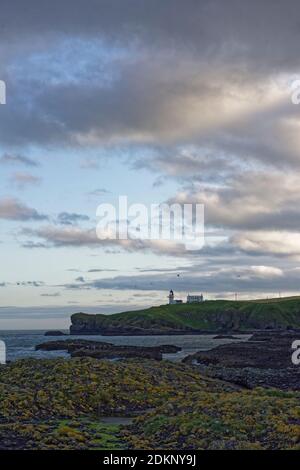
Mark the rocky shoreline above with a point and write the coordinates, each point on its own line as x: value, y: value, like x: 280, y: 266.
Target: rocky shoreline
x: 136, y: 331
x: 262, y: 361
x: 235, y: 396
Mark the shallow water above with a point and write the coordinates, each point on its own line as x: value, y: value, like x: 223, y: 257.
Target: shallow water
x: 21, y: 344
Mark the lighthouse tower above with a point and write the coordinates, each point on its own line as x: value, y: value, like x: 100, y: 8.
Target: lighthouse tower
x: 171, y: 297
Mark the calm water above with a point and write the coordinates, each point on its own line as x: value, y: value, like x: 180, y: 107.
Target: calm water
x: 21, y: 344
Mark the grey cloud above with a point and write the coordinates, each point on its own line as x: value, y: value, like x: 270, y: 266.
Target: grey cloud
x: 54, y: 294
x: 22, y: 180
x: 31, y: 245
x: 276, y: 243
x: 17, y: 159
x: 12, y: 209
x: 161, y: 92
x: 249, y: 201
x: 89, y: 164
x: 101, y: 270
x: 244, y: 279
x: 192, y: 90
x: 216, y: 27
x: 189, y: 163
x: 98, y: 192
x: 73, y: 236
x: 71, y: 218
x: 30, y: 283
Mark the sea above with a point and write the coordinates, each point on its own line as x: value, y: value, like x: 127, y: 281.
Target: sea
x: 21, y: 344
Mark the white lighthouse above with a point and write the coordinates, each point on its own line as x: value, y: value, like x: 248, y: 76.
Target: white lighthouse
x: 172, y: 300
x: 171, y: 297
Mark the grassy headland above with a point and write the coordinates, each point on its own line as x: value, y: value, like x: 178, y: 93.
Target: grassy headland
x: 209, y: 316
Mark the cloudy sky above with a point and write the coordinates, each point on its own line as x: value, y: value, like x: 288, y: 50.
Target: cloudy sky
x: 162, y: 101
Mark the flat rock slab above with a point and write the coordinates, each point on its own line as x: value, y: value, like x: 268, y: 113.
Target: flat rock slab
x: 264, y: 360
x: 103, y: 350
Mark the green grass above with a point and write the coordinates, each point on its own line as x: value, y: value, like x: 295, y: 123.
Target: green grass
x: 92, y: 434
x: 210, y: 315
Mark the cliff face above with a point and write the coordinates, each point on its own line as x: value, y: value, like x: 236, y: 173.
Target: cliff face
x: 210, y: 316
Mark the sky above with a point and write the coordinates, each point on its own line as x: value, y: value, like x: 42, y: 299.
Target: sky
x: 164, y: 102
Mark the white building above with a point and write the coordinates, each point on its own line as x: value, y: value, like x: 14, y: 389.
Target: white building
x: 194, y: 299
x: 191, y: 299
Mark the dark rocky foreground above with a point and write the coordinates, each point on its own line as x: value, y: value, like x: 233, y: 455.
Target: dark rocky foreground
x: 103, y: 350
x: 67, y: 404
x: 264, y: 360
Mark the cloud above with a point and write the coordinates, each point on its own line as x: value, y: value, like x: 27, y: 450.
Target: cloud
x: 30, y: 283
x: 221, y: 29
x: 73, y: 236
x: 96, y: 270
x: 246, y: 279
x: 201, y: 79
x: 98, y: 192
x: 89, y: 164
x: 277, y: 243
x: 12, y: 209
x: 22, y: 180
x: 17, y: 159
x: 31, y: 245
x: 71, y: 218
x: 266, y: 271
x: 54, y: 294
x: 249, y: 201
x: 197, y: 93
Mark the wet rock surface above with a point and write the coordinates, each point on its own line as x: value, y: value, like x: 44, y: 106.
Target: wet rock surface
x: 225, y: 337
x: 55, y: 333
x: 84, y: 403
x: 264, y: 360
x: 103, y: 350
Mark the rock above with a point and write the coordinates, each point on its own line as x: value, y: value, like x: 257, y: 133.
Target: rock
x: 121, y: 353
x: 55, y: 333
x: 225, y: 337
x: 71, y: 344
x: 101, y: 350
x: 168, y: 349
